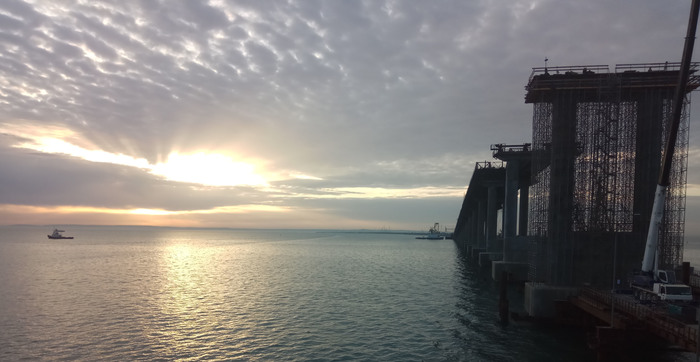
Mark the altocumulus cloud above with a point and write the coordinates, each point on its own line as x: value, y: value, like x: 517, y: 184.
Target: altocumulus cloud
x: 282, y: 113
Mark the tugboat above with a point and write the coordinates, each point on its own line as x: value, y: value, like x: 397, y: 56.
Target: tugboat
x: 57, y: 235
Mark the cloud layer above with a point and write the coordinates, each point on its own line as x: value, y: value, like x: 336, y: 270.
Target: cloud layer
x: 354, y: 113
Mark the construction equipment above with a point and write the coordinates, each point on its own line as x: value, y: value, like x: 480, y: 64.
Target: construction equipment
x: 652, y: 282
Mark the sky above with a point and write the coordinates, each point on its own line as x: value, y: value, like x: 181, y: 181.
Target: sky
x: 287, y: 114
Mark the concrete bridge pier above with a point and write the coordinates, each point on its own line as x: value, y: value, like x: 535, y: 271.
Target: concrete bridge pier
x: 477, y: 224
x: 517, y: 158
x: 494, y: 248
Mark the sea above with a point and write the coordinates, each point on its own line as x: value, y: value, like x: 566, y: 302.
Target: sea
x: 127, y: 293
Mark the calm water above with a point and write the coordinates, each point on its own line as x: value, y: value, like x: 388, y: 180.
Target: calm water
x: 131, y: 293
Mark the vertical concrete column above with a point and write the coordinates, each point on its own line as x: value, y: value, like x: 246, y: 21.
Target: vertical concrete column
x: 510, y: 206
x: 647, y: 162
x: 480, y: 221
x: 524, y: 207
x: 560, y: 245
x: 491, y: 216
x: 473, y: 229
x: 461, y: 233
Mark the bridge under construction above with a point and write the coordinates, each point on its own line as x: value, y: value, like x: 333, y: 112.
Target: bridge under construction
x: 572, y: 207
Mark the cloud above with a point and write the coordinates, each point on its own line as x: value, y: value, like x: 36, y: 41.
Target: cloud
x: 361, y: 97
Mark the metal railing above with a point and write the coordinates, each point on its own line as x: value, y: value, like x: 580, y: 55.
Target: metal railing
x: 500, y: 148
x: 488, y: 164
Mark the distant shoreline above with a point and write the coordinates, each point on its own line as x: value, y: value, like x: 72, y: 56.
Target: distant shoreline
x: 347, y: 231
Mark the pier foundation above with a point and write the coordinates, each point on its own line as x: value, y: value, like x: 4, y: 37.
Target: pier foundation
x: 485, y: 259
x: 475, y: 252
x: 540, y: 298
x: 517, y: 272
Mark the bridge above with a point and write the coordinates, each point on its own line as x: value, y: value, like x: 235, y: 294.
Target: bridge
x: 571, y: 208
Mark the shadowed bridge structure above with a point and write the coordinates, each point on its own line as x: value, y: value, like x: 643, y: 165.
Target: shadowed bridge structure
x: 568, y: 212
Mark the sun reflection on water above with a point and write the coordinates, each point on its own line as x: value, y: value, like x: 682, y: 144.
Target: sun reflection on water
x: 182, y: 274
x: 189, y: 296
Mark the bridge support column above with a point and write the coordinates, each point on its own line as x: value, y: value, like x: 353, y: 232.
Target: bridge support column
x: 524, y: 204
x: 560, y: 245
x: 480, y: 225
x: 491, y: 218
x: 510, y: 207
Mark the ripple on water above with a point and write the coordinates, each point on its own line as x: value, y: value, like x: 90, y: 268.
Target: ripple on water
x: 152, y: 294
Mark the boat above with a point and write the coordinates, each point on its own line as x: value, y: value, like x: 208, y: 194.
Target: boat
x: 57, y: 235
x: 433, y: 234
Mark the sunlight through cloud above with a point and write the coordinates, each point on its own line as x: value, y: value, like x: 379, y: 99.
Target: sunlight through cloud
x: 208, y: 169
x: 53, y: 145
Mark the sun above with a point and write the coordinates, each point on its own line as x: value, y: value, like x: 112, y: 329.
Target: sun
x: 212, y: 169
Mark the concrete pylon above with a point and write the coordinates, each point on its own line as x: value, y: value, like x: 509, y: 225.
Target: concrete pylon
x: 510, y: 207
x: 491, y: 217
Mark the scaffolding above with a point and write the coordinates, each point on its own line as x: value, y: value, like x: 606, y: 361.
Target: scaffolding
x: 597, y: 140
x: 671, y: 237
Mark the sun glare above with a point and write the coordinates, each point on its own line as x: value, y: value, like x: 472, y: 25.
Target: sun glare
x: 208, y: 169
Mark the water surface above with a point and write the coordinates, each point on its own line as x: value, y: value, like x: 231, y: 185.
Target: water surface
x: 137, y: 293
